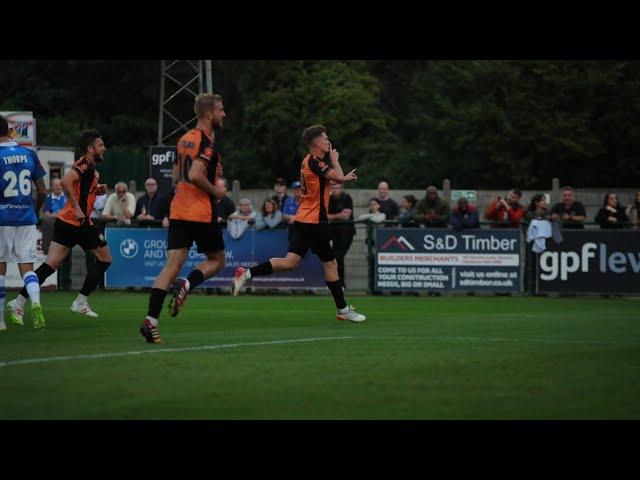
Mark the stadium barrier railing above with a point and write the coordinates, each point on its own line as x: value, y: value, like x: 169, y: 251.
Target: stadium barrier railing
x: 359, y: 261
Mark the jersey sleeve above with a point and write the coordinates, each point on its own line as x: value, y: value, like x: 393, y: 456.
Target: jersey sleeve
x: 205, y: 150
x: 38, y: 169
x: 319, y: 167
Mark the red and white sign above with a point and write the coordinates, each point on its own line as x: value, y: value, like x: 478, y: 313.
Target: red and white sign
x: 22, y: 128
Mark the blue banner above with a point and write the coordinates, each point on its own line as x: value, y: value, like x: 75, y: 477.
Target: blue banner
x: 139, y: 255
x: 410, y: 259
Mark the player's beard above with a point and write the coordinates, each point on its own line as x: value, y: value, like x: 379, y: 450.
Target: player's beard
x: 98, y: 158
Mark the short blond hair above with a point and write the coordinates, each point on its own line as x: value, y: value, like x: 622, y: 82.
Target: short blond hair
x: 206, y: 102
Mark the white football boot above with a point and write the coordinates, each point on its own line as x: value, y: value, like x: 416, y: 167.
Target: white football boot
x: 350, y: 314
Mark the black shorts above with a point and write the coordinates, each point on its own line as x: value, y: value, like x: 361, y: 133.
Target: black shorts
x: 87, y: 236
x: 182, y: 234
x: 316, y: 237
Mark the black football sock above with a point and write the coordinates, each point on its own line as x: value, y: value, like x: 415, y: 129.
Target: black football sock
x: 338, y: 294
x: 156, y: 299
x: 195, y: 278
x: 263, y: 269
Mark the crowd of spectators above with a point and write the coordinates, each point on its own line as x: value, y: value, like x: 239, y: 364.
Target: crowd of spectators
x: 278, y: 212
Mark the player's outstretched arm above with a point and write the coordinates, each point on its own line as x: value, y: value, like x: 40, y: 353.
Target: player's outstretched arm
x: 337, y: 177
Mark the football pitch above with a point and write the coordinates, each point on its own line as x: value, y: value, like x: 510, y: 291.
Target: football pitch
x: 286, y: 357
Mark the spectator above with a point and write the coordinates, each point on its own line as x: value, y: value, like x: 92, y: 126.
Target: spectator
x: 120, y: 206
x: 611, y: 215
x: 388, y: 206
x: 507, y: 212
x: 151, y: 205
x: 342, y: 228
x: 569, y: 211
x: 539, y: 226
x: 538, y: 209
x: 98, y: 208
x: 408, y: 211
x: 464, y: 215
x: 281, y: 196
x: 224, y: 205
x: 269, y: 217
x: 238, y: 221
x: 55, y: 200
x: 291, y: 204
x: 432, y: 211
x: 374, y: 215
x: 632, y: 212
x: 244, y: 211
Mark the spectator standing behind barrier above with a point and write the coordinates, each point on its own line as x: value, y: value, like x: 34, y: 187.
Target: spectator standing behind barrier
x: 432, y: 211
x: 374, y: 215
x: 55, y: 200
x: 151, y: 205
x: 269, y: 217
x: 291, y: 205
x: 611, y: 216
x: 408, y: 211
x: 224, y: 205
x: 464, y: 215
x: 538, y: 209
x: 53, y: 203
x: 342, y: 229
x: 280, y: 187
x: 506, y: 212
x: 569, y: 211
x: 388, y: 206
x: 238, y: 221
x: 632, y: 212
x: 120, y: 206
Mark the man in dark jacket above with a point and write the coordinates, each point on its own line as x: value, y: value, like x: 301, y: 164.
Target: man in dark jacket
x: 224, y: 205
x: 342, y: 229
x: 464, y: 215
x: 432, y: 211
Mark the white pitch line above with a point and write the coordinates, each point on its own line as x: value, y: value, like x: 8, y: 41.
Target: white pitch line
x: 436, y: 338
x: 162, y: 350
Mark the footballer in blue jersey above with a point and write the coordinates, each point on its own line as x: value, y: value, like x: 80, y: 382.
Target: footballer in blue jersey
x: 20, y: 169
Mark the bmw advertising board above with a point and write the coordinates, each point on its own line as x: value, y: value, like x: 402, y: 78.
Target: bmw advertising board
x: 139, y: 255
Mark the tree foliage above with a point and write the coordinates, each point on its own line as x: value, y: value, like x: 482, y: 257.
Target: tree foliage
x: 481, y: 124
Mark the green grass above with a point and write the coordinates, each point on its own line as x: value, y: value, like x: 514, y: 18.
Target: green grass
x: 414, y: 358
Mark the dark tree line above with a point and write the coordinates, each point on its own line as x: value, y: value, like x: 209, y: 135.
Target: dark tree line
x: 483, y: 124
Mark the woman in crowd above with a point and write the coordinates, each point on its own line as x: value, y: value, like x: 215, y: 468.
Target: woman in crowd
x: 632, y: 212
x: 611, y: 215
x: 407, y: 211
x: 374, y: 214
x: 538, y: 208
x: 269, y: 217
